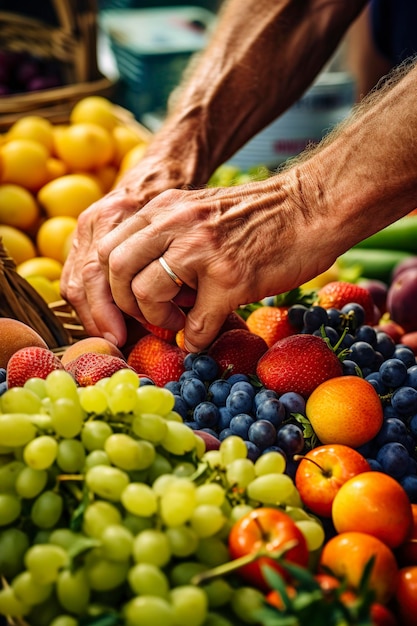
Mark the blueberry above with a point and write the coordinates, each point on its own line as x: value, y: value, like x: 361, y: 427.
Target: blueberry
x: 3, y: 374
x: 253, y: 451
x: 392, y: 429
x: 188, y: 360
x: 375, y: 465
x: 187, y: 375
x: 347, y: 341
x: 243, y: 385
x: 262, y: 395
x: 409, y: 483
x: 350, y: 368
x: 234, y: 378
x: 205, y: 367
x: 262, y: 433
x: 239, y: 424
x: 355, y: 313
x: 174, y: 386
x: 384, y: 344
x: 191, y: 424
x: 224, y: 418
x: 362, y: 353
x: 293, y: 402
x: 296, y: 315
x: 180, y: 406
x: 393, y: 373
x: 271, y: 410
x: 3, y: 387
x: 193, y: 391
x: 239, y: 402
x: 290, y: 438
x: 334, y: 317
x: 393, y: 457
x: 331, y: 334
x: 218, y: 391
x: 411, y: 380
x: 144, y: 380
x: 412, y: 424
x: 366, y: 333
x: 404, y: 400
x: 226, y: 432
x: 405, y: 354
x: 206, y: 414
x: 314, y: 317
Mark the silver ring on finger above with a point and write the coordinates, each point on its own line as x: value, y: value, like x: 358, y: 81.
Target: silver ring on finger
x: 170, y: 272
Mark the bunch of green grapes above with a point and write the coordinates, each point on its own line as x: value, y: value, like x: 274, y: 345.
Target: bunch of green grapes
x: 110, y: 505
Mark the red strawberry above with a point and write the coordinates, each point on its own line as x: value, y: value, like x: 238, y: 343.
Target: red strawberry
x: 298, y: 363
x: 338, y: 293
x: 233, y: 320
x: 271, y: 323
x: 158, y: 359
x: 237, y: 351
x: 90, y: 367
x: 31, y: 362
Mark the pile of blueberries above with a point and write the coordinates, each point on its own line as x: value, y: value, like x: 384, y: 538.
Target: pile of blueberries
x: 239, y: 405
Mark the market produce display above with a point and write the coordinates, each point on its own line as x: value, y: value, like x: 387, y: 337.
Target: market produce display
x: 269, y: 480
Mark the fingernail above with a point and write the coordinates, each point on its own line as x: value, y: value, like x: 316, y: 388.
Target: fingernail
x: 110, y: 338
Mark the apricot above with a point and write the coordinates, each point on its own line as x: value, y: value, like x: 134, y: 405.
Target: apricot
x: 90, y: 344
x: 15, y: 335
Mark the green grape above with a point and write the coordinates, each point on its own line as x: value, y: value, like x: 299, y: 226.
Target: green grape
x: 93, y: 399
x: 313, y: 533
x: 148, y: 611
x: 94, y: 434
x: 159, y: 466
x: 44, y: 561
x: 146, y: 579
x: 20, y: 400
x: 136, y: 524
x: 184, y: 469
x: 122, y: 398
x: 103, y: 574
x: 246, y: 602
x: 107, y: 482
x: 182, y: 573
x: 64, y: 537
x: 149, y: 426
x: 270, y: 463
x: 232, y: 448
x: 8, y: 476
x: 10, y: 508
x: 11, y: 605
x: 67, y: 417
x: 96, y: 457
x: 212, y: 551
x: 294, y: 499
x: 40, y: 453
x: 28, y: 590
x: 71, y: 456
x: 73, y: 591
x: 97, y: 516
x: 213, y: 458
x: 152, y: 399
x: 41, y: 536
x: 173, y: 416
x: 47, y: 509
x: 30, y: 482
x: 16, y: 430
x: 240, y: 472
x: 42, y: 422
x: 37, y: 385
x: 139, y: 499
x: 116, y: 542
x: 219, y: 592
x: 215, y: 619
x: 43, y: 614
x: 210, y: 493
x: 60, y: 384
x: 163, y: 483
x: 207, y: 520
x: 147, y: 454
x: 152, y: 546
x: 183, y: 540
x: 177, y: 504
x: 271, y: 489
x: 13, y: 545
x: 125, y: 452
x: 124, y: 376
x: 239, y: 511
x: 190, y: 605
x: 64, y: 620
x: 179, y: 439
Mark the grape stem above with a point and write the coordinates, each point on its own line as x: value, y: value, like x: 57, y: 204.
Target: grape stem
x: 246, y: 559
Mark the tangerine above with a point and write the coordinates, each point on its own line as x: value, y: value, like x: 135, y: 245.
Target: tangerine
x: 346, y: 410
x: 373, y: 502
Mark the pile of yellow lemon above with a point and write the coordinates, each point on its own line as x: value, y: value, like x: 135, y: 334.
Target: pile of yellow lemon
x: 49, y: 174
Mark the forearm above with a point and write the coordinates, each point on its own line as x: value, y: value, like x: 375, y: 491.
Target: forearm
x: 364, y: 175
x: 261, y: 58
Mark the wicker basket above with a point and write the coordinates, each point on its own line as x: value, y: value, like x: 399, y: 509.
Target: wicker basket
x: 71, y: 42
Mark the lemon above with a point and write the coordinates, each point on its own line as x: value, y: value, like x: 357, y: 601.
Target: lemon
x: 18, y: 207
x: 46, y: 288
x: 17, y: 244
x: 84, y: 146
x: 40, y: 266
x: 33, y: 127
x: 52, y: 236
x: 95, y: 109
x: 69, y: 195
x: 24, y: 163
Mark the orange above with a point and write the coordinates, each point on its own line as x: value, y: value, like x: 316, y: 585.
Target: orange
x: 346, y: 410
x: 33, y: 127
x: 346, y: 555
x: 69, y: 195
x: 95, y: 109
x: 18, y: 207
x: 53, y: 234
x: 40, y: 266
x: 375, y: 503
x: 271, y: 323
x: 406, y: 595
x: 25, y: 163
x: 84, y: 146
x: 18, y: 245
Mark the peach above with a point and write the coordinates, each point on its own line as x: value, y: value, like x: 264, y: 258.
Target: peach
x: 90, y: 344
x: 15, y: 335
